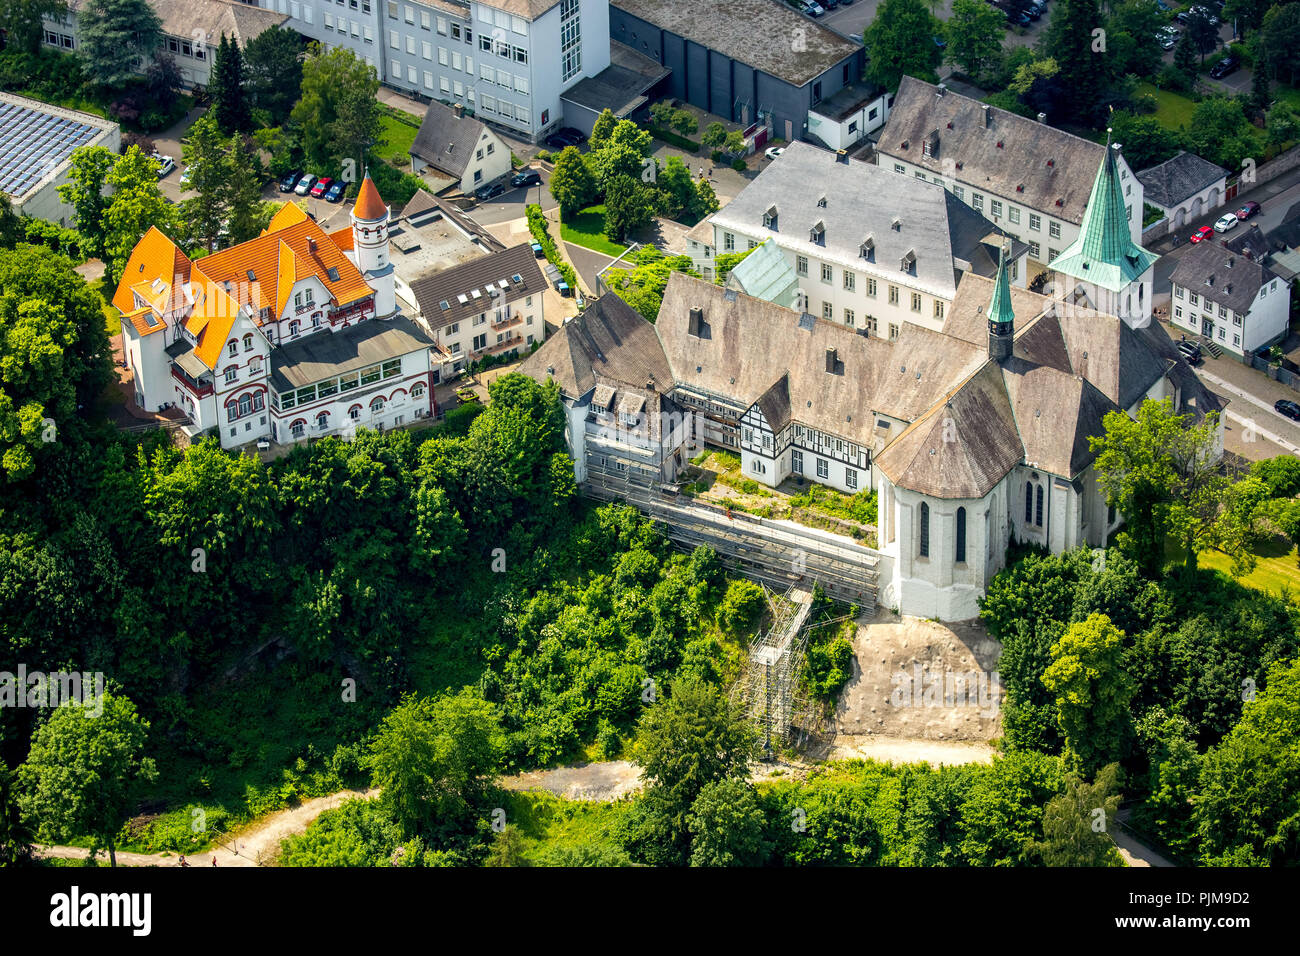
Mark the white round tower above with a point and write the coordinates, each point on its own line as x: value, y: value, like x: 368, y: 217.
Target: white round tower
x: 370, y: 246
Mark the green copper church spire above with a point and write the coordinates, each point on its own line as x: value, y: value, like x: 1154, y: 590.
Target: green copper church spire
x: 1104, y: 253
x: 1002, y: 320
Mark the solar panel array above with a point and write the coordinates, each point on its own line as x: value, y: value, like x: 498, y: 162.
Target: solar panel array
x: 33, y: 143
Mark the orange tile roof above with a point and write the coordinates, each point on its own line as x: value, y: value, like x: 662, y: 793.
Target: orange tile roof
x: 287, y: 215
x: 154, y: 257
x: 369, y: 205
x: 213, y: 316
x: 262, y: 255
x: 342, y: 238
x: 287, y: 277
x: 142, y: 320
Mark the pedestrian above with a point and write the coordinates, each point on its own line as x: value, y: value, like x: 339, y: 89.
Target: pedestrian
x: 183, y: 863
x: 214, y: 861
x: 701, y: 172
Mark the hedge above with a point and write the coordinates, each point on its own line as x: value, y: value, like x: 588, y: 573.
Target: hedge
x: 542, y: 236
x: 673, y: 139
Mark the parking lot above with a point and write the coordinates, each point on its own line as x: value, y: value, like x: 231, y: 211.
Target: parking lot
x: 853, y: 19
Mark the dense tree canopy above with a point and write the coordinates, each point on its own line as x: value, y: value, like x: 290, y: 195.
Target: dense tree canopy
x: 113, y: 35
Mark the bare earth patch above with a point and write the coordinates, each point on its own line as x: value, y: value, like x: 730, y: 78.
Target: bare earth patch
x: 594, y: 781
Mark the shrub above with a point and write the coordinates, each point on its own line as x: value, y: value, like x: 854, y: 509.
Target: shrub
x: 741, y: 607
x: 716, y: 155
x: 672, y: 139
x: 545, y: 156
x: 739, y: 165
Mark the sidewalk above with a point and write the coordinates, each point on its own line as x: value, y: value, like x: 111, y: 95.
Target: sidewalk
x: 1261, y: 194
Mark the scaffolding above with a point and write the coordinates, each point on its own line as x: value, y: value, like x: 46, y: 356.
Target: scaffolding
x: 770, y: 686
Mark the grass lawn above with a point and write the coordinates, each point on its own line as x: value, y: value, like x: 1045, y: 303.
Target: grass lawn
x: 1275, y: 568
x: 587, y: 229
x: 1173, y: 110
x: 112, y: 318
x: 395, y: 137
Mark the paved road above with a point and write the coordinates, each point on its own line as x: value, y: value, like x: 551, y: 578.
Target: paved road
x: 852, y: 20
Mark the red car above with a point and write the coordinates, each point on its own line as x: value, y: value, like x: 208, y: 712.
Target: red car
x: 322, y: 184
x: 1248, y: 210
x: 1205, y: 232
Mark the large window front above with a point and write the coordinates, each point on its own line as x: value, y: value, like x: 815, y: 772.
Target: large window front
x: 570, y: 40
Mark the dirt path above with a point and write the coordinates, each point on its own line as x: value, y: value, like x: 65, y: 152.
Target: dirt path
x: 251, y: 847
x: 907, y: 750
x: 592, y: 781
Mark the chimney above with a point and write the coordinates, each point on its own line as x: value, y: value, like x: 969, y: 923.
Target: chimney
x: 831, y: 359
x: 941, y: 89
x: 458, y: 110
x: 311, y: 244
x: 988, y: 116
x: 842, y: 156
x: 1042, y: 117
x: 695, y: 322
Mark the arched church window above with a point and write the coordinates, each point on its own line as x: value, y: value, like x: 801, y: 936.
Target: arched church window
x: 925, y: 530
x: 961, y: 535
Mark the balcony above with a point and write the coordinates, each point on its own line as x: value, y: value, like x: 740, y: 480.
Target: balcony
x: 510, y: 321
x: 512, y: 342
x: 199, y: 389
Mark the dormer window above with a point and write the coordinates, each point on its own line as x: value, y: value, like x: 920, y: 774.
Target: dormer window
x: 896, y: 225
x: 817, y: 234
x: 821, y: 202
x: 769, y: 218
x: 868, y: 249
x: 909, y: 262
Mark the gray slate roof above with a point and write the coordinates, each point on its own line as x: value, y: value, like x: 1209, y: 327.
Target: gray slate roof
x: 608, y: 342
x: 481, y: 275
x: 1225, y: 277
x: 447, y: 141
x: 864, y: 201
x: 758, y: 33
x: 1017, y: 169
x: 326, y: 354
x: 1178, y: 178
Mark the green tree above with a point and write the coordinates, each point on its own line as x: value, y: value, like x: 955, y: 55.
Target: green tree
x: 676, y: 189
x: 715, y: 134
x: 1092, y: 690
x: 137, y: 204
x: 1084, y: 66
x: 629, y: 205
x: 336, y: 85
x: 82, y: 773
x: 12, y: 230
x: 55, y: 355
x: 113, y: 35
x: 230, y: 106
x: 642, y: 286
x: 1283, y: 126
x: 84, y: 191
x: 689, y: 740
x: 602, y: 130
x: 435, y: 757
x: 247, y: 215
x: 1160, y: 470
x: 1203, y: 34
x: 741, y: 607
x: 1001, y: 817
x: 705, y: 201
x: 1247, y: 810
x: 15, y: 835
x: 507, y: 848
x: 1173, y: 773
x: 572, y: 184
x: 205, y: 153
x: 21, y: 21
x: 727, y: 826
x: 975, y: 33
x: 1076, y: 823
x: 1185, y: 59
x: 684, y: 122
x: 1247, y: 14
x: 273, y: 69
x: 1146, y: 141
x: 1130, y: 30
x: 900, y: 42
x: 1220, y: 132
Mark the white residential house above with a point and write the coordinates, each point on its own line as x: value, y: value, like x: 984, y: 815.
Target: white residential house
x: 460, y: 148
x: 1184, y: 187
x: 1236, y: 302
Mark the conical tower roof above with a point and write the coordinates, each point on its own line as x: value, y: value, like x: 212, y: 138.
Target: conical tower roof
x: 1105, y: 253
x: 369, y: 206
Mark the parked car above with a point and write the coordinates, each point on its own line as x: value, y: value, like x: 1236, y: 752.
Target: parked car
x: 487, y: 192
x: 772, y: 152
x: 1200, y: 235
x: 526, y: 177
x: 1209, y: 14
x: 1225, y: 66
x: 1224, y: 223
x: 1162, y: 6
x: 1247, y: 210
x: 1017, y: 17
x: 1284, y: 406
x: 829, y: 4
x: 336, y: 191
x: 811, y: 8
x: 577, y: 135
x: 322, y: 184
x: 166, y: 165
x: 186, y: 176
x: 289, y: 181
x: 1190, y: 351
x: 304, y: 185
x: 1167, y: 37
x: 563, y: 138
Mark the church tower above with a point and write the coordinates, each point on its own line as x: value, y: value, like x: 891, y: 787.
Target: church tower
x: 370, y: 246
x: 1104, y: 269
x: 1002, y: 321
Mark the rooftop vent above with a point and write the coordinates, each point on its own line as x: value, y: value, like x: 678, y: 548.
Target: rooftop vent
x: 842, y: 156
x: 1060, y: 202
x: 251, y: 276
x: 821, y: 202
x: 831, y: 359
x: 1231, y: 260
x: 1042, y: 117
x: 333, y: 273
x: 311, y: 244
x: 941, y: 89
x: 960, y: 164
x: 988, y: 116
x: 695, y: 322
x: 950, y: 124
x: 906, y: 143
x: 550, y: 370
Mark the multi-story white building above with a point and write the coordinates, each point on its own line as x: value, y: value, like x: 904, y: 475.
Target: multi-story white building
x: 1234, y: 301
x: 1032, y: 180
x: 869, y: 251
x: 291, y: 334
x: 507, y: 60
x: 192, y: 30
x: 490, y: 306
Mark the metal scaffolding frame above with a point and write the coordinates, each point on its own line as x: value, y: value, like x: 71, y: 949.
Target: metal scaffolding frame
x: 770, y: 687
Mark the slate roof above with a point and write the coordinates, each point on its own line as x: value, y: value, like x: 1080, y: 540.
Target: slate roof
x: 608, y: 341
x: 325, y: 354
x: 1178, y: 178
x: 862, y: 202
x: 446, y: 141
x: 1018, y: 169
x: 240, y: 21
x: 482, y: 275
x: 1225, y: 277
x: 758, y: 33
